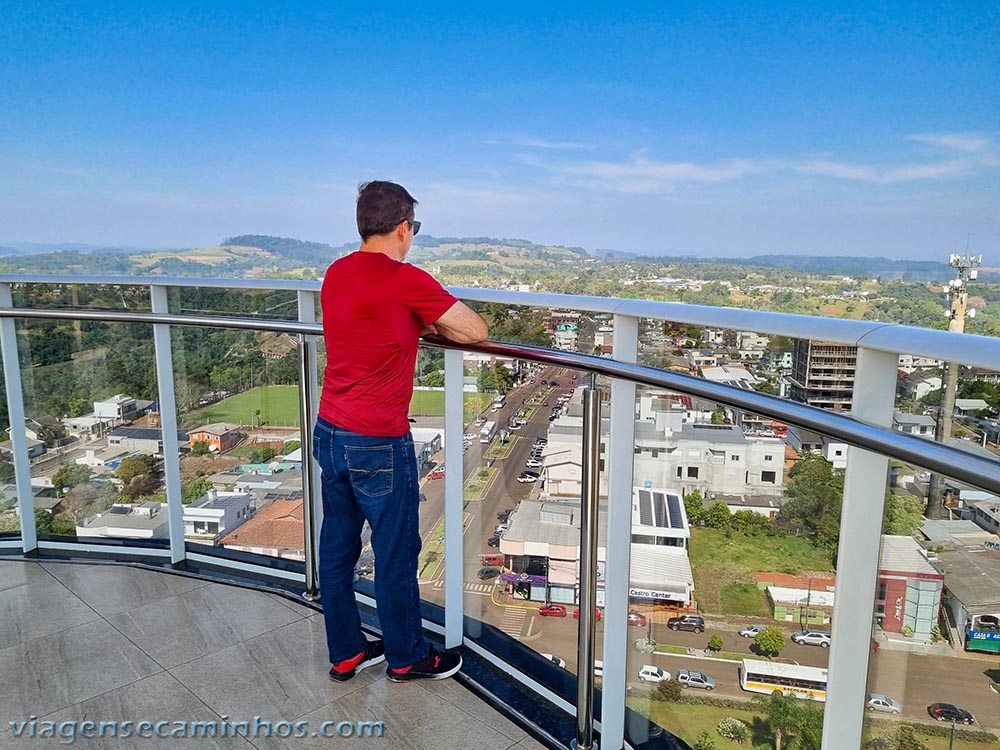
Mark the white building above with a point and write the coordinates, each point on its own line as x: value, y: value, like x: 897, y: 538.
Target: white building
x: 118, y: 409
x: 914, y: 424
x: 214, y: 515
x: 123, y: 521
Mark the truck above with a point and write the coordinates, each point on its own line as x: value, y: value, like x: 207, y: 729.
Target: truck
x: 489, y: 430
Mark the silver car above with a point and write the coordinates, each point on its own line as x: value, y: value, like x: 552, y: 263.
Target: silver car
x: 812, y: 638
x: 879, y: 702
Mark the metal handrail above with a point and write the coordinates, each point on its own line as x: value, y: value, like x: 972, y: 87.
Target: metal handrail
x: 952, y: 462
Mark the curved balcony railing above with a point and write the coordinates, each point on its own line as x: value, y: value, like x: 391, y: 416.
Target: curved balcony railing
x: 868, y: 432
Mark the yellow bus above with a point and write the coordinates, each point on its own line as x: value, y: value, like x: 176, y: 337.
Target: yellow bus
x: 792, y: 679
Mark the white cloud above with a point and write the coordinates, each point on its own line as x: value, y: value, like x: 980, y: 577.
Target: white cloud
x: 526, y: 141
x: 969, y: 143
x: 883, y: 175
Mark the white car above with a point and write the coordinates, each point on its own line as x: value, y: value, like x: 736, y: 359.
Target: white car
x: 470, y: 436
x: 750, y: 631
x: 555, y: 660
x: 649, y: 673
x: 528, y: 476
x: 598, y: 668
x: 533, y: 463
x: 812, y: 638
x: 879, y: 702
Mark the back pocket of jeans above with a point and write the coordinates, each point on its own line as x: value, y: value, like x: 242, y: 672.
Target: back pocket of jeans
x: 370, y: 468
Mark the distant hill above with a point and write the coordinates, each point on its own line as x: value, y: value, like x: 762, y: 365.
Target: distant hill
x: 825, y: 265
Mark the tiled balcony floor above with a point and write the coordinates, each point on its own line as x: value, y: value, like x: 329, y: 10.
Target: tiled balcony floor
x: 108, y: 642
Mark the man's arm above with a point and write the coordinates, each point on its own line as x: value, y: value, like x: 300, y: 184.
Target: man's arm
x: 461, y: 324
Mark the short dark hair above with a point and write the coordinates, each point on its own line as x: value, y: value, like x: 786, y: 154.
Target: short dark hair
x: 381, y: 206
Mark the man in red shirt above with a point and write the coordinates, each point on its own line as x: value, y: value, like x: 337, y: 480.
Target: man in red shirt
x: 375, y: 308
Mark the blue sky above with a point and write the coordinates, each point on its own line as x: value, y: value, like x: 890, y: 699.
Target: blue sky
x: 711, y: 129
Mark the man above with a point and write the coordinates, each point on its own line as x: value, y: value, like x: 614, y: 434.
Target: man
x: 375, y: 308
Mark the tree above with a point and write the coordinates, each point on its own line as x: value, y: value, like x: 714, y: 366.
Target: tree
x: 903, y: 514
x: 694, y: 506
x: 486, y: 381
x: 770, y: 641
x: 717, y: 516
x: 669, y: 690
x: 781, y: 714
x: 715, y: 643
x: 192, y: 490
x: 68, y: 476
x: 704, y: 742
x: 503, y: 377
x: 63, y: 524
x: 134, y: 466
x: 434, y: 379
x: 902, y: 738
x: 719, y: 415
x: 199, y: 447
x: 815, y: 492
x: 7, y: 472
x: 807, y: 726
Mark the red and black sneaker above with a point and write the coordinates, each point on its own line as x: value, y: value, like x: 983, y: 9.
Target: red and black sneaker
x: 374, y: 653
x: 436, y: 666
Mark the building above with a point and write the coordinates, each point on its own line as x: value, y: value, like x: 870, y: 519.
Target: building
x: 87, y: 426
x: 35, y: 448
x: 908, y: 598
x: 912, y: 362
x: 918, y: 384
x: 970, y: 406
x: 219, y: 436
x: 108, y: 458
x: 119, y: 409
x: 147, y: 440
x: 214, y: 515
x: 122, y: 521
x: 972, y: 594
x: 823, y: 374
x: 276, y: 530
x: 426, y: 442
x: 985, y: 513
x: 801, y: 606
x: 914, y: 424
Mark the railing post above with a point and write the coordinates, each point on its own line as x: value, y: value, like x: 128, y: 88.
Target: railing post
x: 15, y: 413
x: 310, y: 528
x: 857, y: 559
x: 312, y: 507
x: 454, y: 547
x: 587, y: 628
x: 168, y: 424
x: 620, y: 451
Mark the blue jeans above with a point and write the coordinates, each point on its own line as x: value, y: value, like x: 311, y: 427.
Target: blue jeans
x: 374, y: 479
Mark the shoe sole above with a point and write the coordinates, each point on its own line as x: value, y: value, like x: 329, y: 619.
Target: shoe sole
x: 337, y: 677
x: 410, y: 676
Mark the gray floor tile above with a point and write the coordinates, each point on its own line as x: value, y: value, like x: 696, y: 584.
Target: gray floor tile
x: 157, y: 698
x: 529, y: 744
x: 13, y: 574
x: 114, y: 588
x: 301, y: 609
x: 282, y: 673
x: 58, y: 670
x: 200, y: 622
x: 39, y: 608
x: 458, y: 696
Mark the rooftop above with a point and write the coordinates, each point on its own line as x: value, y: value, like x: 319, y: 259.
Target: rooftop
x: 903, y: 554
x: 973, y: 575
x: 216, y: 428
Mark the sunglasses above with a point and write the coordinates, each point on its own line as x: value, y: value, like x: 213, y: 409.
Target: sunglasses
x: 415, y: 224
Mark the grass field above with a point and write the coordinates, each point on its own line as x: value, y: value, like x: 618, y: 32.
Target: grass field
x: 742, y: 599
x: 279, y: 407
x: 688, y: 720
x: 719, y: 562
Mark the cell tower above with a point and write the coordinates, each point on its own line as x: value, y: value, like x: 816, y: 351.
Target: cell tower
x: 966, y: 270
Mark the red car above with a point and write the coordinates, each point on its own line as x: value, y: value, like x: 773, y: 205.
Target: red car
x: 552, y: 610
x: 437, y: 473
x: 634, y: 618
x: 576, y: 613
x: 493, y: 559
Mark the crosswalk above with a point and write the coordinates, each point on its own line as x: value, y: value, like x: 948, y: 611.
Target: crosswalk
x: 512, y: 622
x: 470, y: 588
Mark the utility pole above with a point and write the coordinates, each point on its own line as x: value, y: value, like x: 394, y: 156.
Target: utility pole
x: 958, y: 303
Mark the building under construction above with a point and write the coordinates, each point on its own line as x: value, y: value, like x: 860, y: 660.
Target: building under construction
x: 823, y: 374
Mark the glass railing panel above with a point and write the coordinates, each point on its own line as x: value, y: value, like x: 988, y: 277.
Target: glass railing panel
x: 133, y: 297
x: 733, y: 547
x: 936, y: 640
x: 90, y: 399
x: 238, y: 408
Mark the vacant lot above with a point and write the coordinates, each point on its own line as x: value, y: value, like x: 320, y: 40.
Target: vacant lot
x: 719, y: 562
x: 275, y: 405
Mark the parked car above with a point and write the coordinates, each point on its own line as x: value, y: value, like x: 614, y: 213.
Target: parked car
x: 437, y: 473
x: 750, y: 631
x: 486, y: 574
x: 597, y: 612
x: 504, y: 515
x: 649, y: 673
x: 555, y: 660
x: 690, y: 678
x: 533, y: 463
x: 635, y: 618
x: 879, y: 702
x: 812, y: 638
x: 950, y: 712
x: 492, y: 559
x: 493, y: 541
x: 501, y: 528
x: 598, y: 668
x: 687, y: 622
x: 528, y: 476
x: 470, y: 436
x: 552, y: 610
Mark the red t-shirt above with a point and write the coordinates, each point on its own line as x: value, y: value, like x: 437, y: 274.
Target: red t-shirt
x: 374, y: 309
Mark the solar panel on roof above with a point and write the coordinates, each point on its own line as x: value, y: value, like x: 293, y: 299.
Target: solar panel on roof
x: 674, y: 508
x: 659, y: 510
x: 645, y: 508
